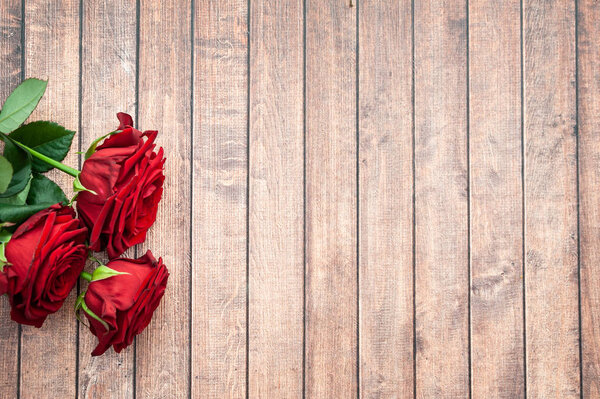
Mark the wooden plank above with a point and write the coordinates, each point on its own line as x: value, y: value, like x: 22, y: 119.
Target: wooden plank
x: 496, y: 199
x: 108, y: 86
x: 219, y: 208
x: 441, y: 195
x: 276, y: 271
x: 551, y: 275
x: 386, y: 199
x: 52, y: 52
x: 10, y: 77
x: 163, y: 356
x: 331, y: 200
x: 589, y: 181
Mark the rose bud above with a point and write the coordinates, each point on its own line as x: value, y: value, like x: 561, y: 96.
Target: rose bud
x: 45, y: 256
x: 121, y: 299
x: 123, y: 179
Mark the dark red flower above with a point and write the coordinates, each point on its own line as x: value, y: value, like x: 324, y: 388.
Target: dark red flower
x: 45, y: 256
x: 127, y: 177
x: 125, y: 302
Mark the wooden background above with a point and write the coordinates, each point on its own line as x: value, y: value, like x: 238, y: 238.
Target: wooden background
x: 393, y: 199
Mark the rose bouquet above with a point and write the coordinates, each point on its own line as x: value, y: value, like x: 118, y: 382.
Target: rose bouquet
x: 46, y: 239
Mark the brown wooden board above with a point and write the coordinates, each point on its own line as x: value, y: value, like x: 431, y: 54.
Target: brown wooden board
x: 386, y: 199
x: 165, y: 77
x: 442, y: 192
x: 551, y: 270
x: 331, y: 200
x: 276, y: 257
x: 496, y: 199
x: 219, y: 211
x: 588, y: 31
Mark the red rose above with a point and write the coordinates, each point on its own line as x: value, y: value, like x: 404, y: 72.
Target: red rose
x: 45, y: 256
x: 126, y: 175
x: 125, y: 302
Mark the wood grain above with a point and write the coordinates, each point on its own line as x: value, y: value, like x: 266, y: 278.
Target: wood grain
x: 219, y: 199
x: 108, y: 86
x: 162, y: 352
x: 496, y: 199
x: 589, y: 181
x: 10, y: 77
x: 551, y: 274
x: 441, y: 237
x: 276, y: 268
x: 331, y: 200
x: 386, y: 199
x: 52, y: 52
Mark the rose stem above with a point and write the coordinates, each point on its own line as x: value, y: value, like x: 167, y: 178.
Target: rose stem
x: 58, y: 165
x: 86, y: 276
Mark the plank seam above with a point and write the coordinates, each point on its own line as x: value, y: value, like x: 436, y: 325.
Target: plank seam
x: 414, y: 200
x: 357, y: 65
x: 248, y: 8
x: 578, y: 196
x: 137, y: 114
x: 469, y: 277
x: 523, y: 227
x: 79, y: 144
x: 191, y: 253
x: 304, y: 199
x: 19, y: 328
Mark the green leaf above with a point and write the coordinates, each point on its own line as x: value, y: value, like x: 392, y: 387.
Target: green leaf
x: 6, y: 173
x: 95, y: 143
x: 21, y: 103
x: 47, y: 138
x: 45, y: 191
x: 103, y: 272
x: 21, y: 164
x: 40, y: 193
x: 19, y: 198
x: 18, y: 213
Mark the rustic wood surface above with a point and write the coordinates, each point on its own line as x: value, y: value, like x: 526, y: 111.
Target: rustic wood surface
x: 496, y: 200
x: 378, y: 199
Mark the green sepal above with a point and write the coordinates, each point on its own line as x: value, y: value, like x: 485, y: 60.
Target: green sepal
x: 80, y: 304
x: 4, y: 239
x: 94, y: 315
x: 103, y: 272
x: 77, y: 307
x: 78, y: 187
x: 95, y: 143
